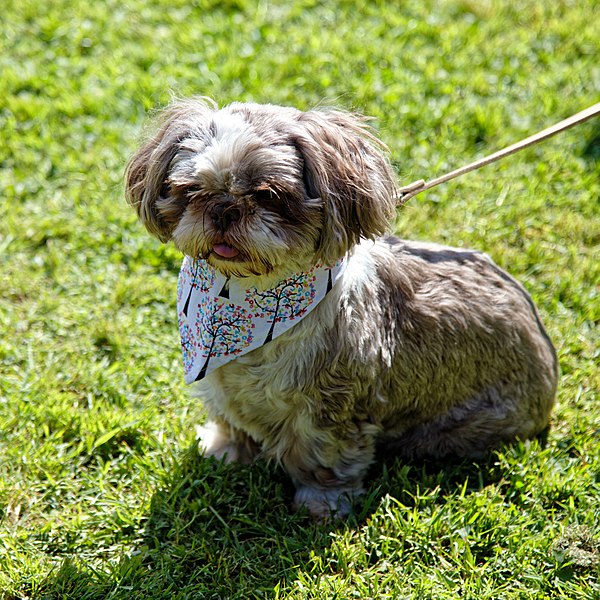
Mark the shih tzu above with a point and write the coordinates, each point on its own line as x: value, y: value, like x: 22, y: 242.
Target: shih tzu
x: 312, y: 335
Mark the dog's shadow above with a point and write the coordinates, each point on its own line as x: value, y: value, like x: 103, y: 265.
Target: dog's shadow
x: 229, y: 528
x: 226, y: 531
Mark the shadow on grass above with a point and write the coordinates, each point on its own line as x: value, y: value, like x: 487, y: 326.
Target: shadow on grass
x: 226, y: 531
x: 212, y: 531
x: 591, y: 151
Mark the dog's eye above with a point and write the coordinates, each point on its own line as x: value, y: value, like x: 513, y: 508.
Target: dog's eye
x: 193, y: 192
x: 264, y: 196
x: 275, y: 201
x: 165, y: 189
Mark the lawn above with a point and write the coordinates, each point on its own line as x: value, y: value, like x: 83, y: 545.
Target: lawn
x: 102, y: 492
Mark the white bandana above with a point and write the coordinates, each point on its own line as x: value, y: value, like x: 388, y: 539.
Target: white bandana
x: 220, y: 318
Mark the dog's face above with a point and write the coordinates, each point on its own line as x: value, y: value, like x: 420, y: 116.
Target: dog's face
x: 258, y: 189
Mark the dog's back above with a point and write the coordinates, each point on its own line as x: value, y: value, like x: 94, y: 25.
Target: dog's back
x: 473, y: 365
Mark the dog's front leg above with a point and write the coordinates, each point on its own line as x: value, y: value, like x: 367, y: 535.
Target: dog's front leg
x: 328, y: 470
x: 223, y: 441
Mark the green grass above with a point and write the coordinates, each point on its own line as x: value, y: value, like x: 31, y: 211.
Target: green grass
x: 102, y: 494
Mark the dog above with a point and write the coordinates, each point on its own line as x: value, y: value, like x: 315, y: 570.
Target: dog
x: 374, y: 341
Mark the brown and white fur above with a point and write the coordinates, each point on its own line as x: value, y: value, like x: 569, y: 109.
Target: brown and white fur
x: 433, y: 350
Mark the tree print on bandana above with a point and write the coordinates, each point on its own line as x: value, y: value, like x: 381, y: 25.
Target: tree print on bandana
x: 224, y: 328
x: 221, y: 318
x: 288, y: 301
x: 188, y: 346
x: 200, y: 276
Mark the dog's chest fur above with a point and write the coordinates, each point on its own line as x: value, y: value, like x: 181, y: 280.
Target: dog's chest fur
x: 264, y: 393
x: 275, y: 393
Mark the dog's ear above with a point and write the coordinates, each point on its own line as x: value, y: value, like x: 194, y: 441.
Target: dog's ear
x: 346, y: 166
x: 146, y: 176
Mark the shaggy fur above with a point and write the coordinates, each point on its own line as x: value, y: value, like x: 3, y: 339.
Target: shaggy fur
x: 433, y: 350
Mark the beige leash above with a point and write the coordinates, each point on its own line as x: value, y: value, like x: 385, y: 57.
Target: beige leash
x: 408, y: 191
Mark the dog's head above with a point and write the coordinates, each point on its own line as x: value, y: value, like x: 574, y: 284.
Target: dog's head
x: 257, y: 189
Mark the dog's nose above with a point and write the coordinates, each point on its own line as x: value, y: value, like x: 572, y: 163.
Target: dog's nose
x: 223, y: 215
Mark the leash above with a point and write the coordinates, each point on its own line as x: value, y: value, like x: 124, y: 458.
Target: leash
x: 408, y: 191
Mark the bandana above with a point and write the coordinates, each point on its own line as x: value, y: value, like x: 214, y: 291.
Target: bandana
x: 220, y: 318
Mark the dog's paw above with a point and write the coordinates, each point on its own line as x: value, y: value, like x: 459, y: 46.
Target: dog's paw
x: 213, y: 441
x: 325, y: 504
x: 222, y: 443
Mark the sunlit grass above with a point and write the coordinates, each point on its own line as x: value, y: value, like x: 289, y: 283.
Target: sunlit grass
x: 102, y: 494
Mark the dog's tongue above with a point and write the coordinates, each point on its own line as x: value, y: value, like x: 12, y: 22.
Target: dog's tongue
x: 225, y: 250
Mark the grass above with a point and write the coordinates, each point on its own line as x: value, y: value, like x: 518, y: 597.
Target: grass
x: 102, y: 494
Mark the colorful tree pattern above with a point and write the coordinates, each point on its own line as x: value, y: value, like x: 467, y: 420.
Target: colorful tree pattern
x: 200, y: 275
x: 188, y: 345
x: 289, y: 300
x: 218, y: 326
x: 224, y: 328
